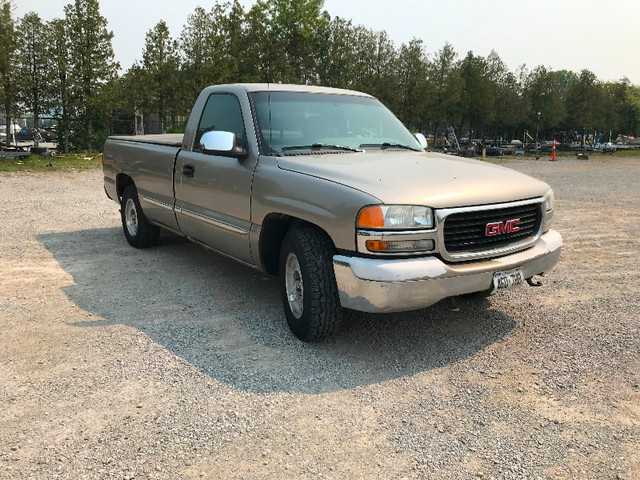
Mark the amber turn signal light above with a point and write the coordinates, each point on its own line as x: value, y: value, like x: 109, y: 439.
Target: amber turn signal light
x: 371, y: 217
x: 376, y: 246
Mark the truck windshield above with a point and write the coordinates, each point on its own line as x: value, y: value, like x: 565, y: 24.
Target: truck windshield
x: 290, y: 121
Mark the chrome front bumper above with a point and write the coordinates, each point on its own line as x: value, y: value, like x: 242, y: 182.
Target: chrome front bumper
x: 393, y: 285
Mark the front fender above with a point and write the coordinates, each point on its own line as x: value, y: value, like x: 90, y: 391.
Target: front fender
x: 329, y: 205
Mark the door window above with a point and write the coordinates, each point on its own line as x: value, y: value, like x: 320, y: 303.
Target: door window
x: 222, y: 112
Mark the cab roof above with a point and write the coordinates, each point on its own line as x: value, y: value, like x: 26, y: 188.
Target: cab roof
x: 283, y: 87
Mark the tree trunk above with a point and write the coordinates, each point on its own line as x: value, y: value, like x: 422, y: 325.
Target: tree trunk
x: 65, y: 124
x: 36, y: 111
x: 89, y: 120
x: 9, y: 122
x: 162, y: 129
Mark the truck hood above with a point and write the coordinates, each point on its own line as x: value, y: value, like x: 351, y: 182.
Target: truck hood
x: 419, y: 178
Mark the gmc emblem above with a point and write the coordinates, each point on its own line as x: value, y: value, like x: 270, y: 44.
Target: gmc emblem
x: 500, y: 228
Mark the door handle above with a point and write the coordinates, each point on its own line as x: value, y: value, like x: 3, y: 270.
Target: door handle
x: 188, y: 170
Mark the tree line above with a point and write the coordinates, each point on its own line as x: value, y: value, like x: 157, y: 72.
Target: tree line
x: 66, y: 68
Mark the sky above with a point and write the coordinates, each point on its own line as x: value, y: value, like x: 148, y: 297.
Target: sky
x: 558, y: 34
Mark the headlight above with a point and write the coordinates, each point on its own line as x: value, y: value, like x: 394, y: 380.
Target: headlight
x: 395, y: 217
x: 549, y: 201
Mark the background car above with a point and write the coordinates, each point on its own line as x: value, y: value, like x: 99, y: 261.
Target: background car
x: 15, y: 128
x: 48, y: 134
x: 26, y: 134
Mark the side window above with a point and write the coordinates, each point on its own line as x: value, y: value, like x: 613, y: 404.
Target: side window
x: 222, y: 112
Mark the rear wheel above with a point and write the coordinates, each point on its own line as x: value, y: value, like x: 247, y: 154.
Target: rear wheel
x: 139, y: 232
x: 307, y: 282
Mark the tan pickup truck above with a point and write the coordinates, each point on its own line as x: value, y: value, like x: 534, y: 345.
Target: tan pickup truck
x: 327, y: 189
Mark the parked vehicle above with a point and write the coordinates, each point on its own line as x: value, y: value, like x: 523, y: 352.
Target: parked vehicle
x: 27, y: 134
x: 327, y: 189
x: 48, y: 134
x: 495, y: 151
x: 14, y: 129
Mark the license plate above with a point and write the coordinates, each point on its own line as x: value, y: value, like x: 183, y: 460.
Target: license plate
x: 510, y: 279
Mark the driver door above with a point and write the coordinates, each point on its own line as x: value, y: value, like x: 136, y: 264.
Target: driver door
x: 213, y: 192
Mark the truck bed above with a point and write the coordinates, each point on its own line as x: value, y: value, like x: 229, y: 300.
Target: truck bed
x: 169, y: 139
x: 148, y: 160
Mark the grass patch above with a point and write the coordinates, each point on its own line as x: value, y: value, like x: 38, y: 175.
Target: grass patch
x: 56, y: 163
x: 632, y: 152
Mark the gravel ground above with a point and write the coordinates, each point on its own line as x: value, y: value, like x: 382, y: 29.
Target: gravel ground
x: 174, y: 362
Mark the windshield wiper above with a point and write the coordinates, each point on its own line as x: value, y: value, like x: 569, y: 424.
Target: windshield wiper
x: 388, y: 145
x: 318, y: 146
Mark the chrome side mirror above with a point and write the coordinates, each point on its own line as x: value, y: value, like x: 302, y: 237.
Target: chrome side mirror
x: 218, y: 142
x: 421, y: 140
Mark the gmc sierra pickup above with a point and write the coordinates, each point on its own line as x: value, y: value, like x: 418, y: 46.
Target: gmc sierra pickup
x: 327, y: 189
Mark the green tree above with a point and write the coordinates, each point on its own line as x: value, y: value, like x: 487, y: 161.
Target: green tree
x: 622, y: 108
x: 615, y: 94
x: 412, y: 73
x: 586, y: 102
x: 295, y: 25
x: 235, y: 44
x: 375, y: 66
x: 382, y: 79
x: 335, y: 58
x: 510, y: 105
x: 545, y: 91
x: 361, y: 58
x: 345, y: 56
x: 60, y: 85
x: 478, y: 99
x: 632, y: 103
x: 128, y: 99
x: 9, y: 75
x: 258, y: 49
x: 161, y: 66
x: 92, y: 66
x: 202, y: 45
x: 34, y: 65
x: 133, y: 84
x: 445, y: 89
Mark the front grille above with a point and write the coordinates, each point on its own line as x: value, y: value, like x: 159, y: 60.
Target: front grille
x: 466, y: 231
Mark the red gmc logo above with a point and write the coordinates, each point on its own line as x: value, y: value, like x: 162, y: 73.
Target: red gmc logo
x: 500, y: 228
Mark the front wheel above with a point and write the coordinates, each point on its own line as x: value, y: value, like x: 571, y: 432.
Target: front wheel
x: 139, y: 232
x: 307, y: 282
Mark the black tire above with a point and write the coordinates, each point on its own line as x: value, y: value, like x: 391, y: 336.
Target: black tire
x: 315, y: 311
x: 139, y: 232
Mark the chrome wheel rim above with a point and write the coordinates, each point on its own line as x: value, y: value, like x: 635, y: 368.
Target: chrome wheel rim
x: 294, y: 285
x: 131, y: 217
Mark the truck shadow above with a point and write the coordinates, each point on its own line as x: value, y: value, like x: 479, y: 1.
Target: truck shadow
x: 226, y: 319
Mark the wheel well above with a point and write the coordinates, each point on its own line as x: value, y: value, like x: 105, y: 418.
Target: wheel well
x: 122, y: 182
x: 274, y: 227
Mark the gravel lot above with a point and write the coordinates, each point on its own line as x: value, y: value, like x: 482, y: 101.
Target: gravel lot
x: 174, y: 362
